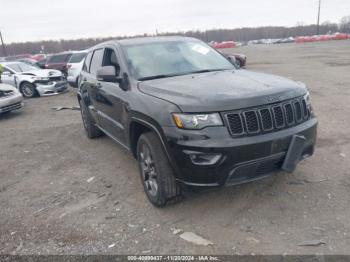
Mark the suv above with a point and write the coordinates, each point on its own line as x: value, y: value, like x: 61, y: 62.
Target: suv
x: 189, y: 117
x: 74, y: 66
x: 59, y: 62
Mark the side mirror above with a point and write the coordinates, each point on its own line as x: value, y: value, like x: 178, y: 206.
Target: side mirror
x: 107, y: 74
x: 233, y: 60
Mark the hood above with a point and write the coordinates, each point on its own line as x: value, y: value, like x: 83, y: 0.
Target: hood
x: 223, y: 90
x: 43, y: 73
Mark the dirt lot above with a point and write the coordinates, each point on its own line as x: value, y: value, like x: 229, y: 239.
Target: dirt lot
x: 47, y: 205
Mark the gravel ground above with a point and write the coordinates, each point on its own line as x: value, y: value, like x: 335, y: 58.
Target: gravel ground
x: 61, y: 193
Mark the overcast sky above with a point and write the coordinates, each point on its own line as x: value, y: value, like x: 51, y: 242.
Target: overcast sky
x: 33, y: 20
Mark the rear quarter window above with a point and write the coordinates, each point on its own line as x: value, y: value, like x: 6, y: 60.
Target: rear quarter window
x: 96, y: 61
x: 59, y: 58
x: 77, y: 58
x: 87, y: 61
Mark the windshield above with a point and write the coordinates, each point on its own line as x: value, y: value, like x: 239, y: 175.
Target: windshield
x: 22, y: 67
x: 163, y: 59
x: 77, y: 58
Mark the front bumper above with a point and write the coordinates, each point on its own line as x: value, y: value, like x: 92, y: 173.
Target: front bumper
x: 241, y: 159
x: 11, y: 103
x: 52, y: 88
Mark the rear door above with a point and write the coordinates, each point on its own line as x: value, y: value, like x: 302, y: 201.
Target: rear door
x: 91, y: 85
x: 85, y: 85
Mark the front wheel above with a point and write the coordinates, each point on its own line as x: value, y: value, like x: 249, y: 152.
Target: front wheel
x: 28, y: 90
x: 157, y: 176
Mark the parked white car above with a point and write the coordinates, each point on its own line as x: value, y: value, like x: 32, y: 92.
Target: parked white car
x: 10, y: 98
x: 32, y: 81
x: 74, y: 66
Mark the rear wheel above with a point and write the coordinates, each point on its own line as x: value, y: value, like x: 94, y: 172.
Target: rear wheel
x: 157, y: 176
x: 91, y: 129
x: 28, y: 90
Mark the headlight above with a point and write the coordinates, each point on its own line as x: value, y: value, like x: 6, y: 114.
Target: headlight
x: 38, y: 78
x: 308, y: 103
x: 307, y: 98
x: 197, y: 121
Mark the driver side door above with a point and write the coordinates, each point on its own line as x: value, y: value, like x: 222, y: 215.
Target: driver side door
x: 8, y: 77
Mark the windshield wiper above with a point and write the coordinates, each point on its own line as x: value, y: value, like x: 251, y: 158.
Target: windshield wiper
x: 179, y: 74
x: 205, y: 71
x: 156, y: 77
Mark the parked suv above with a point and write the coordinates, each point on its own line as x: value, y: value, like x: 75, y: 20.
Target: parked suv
x: 59, y: 62
x: 189, y: 117
x: 74, y: 66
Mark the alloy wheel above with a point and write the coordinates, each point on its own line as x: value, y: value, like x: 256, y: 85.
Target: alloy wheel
x: 148, y: 170
x: 27, y: 90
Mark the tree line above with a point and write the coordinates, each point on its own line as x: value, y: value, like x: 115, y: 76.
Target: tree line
x: 218, y: 35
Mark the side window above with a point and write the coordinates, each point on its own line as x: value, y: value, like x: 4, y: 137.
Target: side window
x: 96, y: 61
x: 57, y: 58
x: 66, y: 59
x: 7, y: 70
x: 110, y: 59
x: 87, y: 62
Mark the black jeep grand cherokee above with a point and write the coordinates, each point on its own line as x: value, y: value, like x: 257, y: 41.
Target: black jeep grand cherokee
x: 189, y: 116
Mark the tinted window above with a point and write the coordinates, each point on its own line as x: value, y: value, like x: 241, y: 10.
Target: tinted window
x: 87, y: 62
x: 59, y: 58
x: 96, y: 61
x: 77, y: 58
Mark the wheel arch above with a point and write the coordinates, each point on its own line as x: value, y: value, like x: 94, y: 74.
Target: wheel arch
x: 24, y: 81
x: 143, y: 125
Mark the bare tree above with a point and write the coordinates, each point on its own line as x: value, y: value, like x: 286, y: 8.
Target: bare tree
x: 238, y: 34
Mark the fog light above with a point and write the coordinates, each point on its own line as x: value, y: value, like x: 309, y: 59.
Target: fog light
x: 203, y: 159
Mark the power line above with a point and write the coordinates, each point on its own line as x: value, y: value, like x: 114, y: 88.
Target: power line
x: 3, y: 45
x: 318, y: 17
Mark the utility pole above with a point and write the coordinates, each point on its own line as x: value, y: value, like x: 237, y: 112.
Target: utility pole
x: 3, y: 45
x: 318, y: 17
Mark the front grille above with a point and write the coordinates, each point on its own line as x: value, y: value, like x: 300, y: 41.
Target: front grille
x: 251, y: 121
x: 56, y: 78
x: 267, y: 118
x: 256, y: 169
x: 235, y: 122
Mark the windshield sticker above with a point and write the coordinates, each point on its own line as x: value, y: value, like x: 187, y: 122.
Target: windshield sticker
x: 200, y: 49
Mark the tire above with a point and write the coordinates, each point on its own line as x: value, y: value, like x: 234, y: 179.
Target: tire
x: 156, y: 174
x: 92, y: 131
x: 239, y: 63
x: 28, y: 90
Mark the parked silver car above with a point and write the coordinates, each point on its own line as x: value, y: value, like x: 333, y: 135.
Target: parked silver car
x: 32, y: 81
x: 10, y: 98
x: 74, y: 66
